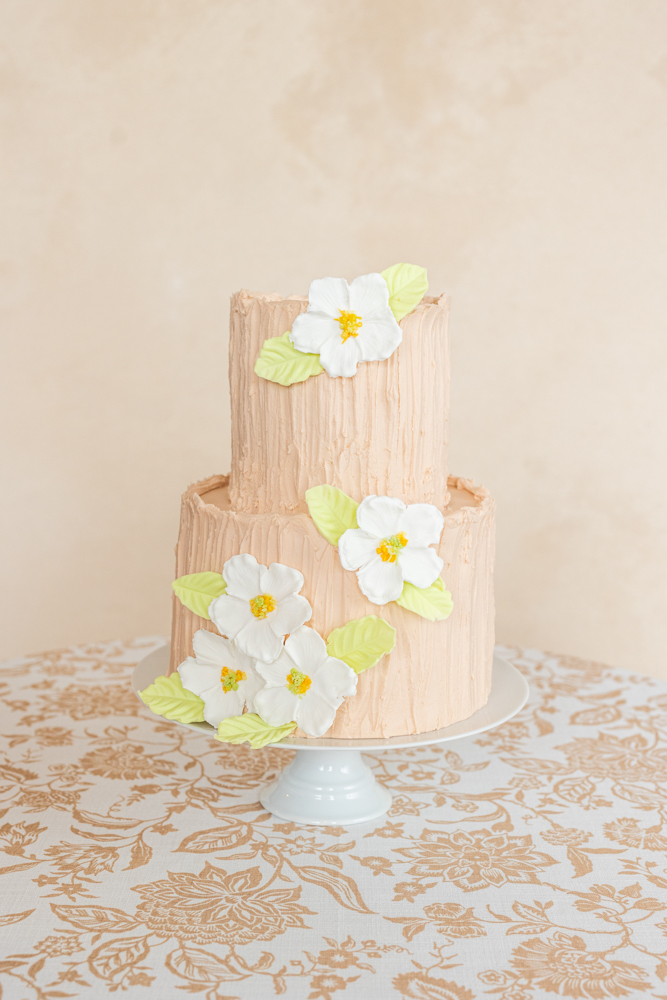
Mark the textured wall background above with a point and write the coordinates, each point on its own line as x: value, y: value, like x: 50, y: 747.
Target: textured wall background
x: 159, y: 154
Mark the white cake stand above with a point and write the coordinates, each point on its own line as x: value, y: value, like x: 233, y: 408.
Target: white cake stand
x: 328, y: 782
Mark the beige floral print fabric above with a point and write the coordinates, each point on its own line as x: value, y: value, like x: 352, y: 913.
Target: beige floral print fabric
x: 526, y: 862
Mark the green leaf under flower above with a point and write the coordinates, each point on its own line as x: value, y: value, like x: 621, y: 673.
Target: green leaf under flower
x: 362, y: 642
x: 332, y: 511
x: 279, y: 361
x: 197, y: 590
x: 166, y: 696
x: 249, y: 728
x: 434, y: 602
x: 407, y: 285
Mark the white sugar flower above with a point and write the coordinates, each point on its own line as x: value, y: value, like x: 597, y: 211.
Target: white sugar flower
x: 391, y: 547
x: 224, y: 677
x: 304, y: 685
x: 260, y: 606
x: 346, y: 324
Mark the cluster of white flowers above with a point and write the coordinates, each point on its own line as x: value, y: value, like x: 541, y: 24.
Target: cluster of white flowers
x: 251, y: 666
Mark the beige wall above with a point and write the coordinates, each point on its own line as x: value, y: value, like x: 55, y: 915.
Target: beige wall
x: 158, y: 155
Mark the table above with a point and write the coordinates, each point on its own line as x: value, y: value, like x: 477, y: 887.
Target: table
x: 525, y: 862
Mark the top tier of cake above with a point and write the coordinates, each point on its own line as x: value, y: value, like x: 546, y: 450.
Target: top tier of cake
x: 384, y: 431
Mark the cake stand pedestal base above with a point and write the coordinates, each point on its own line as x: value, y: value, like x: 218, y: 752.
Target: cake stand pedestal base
x: 328, y: 783
x: 325, y: 788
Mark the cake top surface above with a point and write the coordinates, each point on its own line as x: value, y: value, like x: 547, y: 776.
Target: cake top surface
x: 216, y: 493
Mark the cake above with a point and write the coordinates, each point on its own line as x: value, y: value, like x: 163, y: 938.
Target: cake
x: 372, y: 565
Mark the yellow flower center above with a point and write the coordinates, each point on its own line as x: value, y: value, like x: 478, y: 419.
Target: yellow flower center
x: 262, y: 605
x: 350, y: 324
x: 230, y: 679
x: 389, y: 548
x: 298, y: 683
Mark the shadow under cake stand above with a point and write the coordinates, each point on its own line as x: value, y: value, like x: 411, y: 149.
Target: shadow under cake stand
x: 328, y: 782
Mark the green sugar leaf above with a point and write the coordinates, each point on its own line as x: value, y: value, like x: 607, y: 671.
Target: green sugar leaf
x: 249, y: 728
x: 361, y: 643
x: 166, y: 696
x: 332, y: 511
x: 197, y: 590
x: 279, y: 361
x: 434, y: 602
x: 407, y: 284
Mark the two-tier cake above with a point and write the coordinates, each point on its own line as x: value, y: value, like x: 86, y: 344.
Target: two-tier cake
x: 338, y: 582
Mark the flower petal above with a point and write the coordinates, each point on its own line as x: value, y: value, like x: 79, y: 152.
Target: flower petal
x: 330, y: 295
x: 277, y: 705
x: 242, y: 576
x: 379, y: 337
x: 289, y: 615
x: 241, y: 661
x: 220, y: 704
x: 311, y: 330
x: 368, y: 293
x: 258, y: 640
x: 420, y: 566
x: 229, y: 614
x: 250, y: 686
x: 212, y: 650
x: 335, y: 681
x: 314, y: 714
x: 355, y: 548
x: 338, y: 358
x: 307, y: 648
x: 422, y: 524
x: 281, y: 581
x: 275, y: 674
x: 197, y: 678
x: 380, y: 516
x: 380, y: 581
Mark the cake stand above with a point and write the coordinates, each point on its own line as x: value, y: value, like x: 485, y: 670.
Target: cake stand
x: 328, y: 782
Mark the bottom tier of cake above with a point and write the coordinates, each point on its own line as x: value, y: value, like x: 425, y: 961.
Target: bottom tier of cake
x: 439, y: 672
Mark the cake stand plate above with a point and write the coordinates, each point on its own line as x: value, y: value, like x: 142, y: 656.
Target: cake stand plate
x: 334, y: 786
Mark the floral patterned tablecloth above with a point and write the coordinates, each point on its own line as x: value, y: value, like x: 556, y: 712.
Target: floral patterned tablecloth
x: 525, y: 862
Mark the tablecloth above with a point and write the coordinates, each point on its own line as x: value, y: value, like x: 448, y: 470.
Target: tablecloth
x: 524, y: 862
